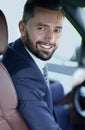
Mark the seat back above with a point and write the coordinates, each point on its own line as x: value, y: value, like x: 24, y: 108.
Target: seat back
x: 10, y: 118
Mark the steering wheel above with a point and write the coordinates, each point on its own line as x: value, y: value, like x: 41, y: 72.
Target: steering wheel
x: 79, y: 99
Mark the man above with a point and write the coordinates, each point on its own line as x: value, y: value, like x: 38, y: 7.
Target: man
x: 40, y: 29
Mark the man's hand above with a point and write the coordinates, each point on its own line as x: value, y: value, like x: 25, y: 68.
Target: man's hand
x: 78, y: 77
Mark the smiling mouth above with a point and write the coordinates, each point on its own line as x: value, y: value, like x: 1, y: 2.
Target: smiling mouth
x: 46, y: 46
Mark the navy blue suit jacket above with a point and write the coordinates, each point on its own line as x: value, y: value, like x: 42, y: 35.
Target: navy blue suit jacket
x: 35, y: 103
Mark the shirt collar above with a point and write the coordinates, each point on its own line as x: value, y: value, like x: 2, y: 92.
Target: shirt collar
x: 40, y: 63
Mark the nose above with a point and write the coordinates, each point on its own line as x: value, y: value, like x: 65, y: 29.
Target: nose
x: 50, y: 37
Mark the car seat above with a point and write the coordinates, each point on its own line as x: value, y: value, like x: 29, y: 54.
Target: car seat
x: 10, y: 118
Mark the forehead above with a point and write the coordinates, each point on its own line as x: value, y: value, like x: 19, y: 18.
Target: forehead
x: 47, y: 15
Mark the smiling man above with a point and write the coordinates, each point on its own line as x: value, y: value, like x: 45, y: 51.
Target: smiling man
x: 40, y: 29
x: 43, y: 32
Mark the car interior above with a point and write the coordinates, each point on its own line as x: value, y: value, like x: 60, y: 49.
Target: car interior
x: 10, y: 118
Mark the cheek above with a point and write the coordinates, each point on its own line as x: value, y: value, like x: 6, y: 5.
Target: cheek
x: 36, y: 35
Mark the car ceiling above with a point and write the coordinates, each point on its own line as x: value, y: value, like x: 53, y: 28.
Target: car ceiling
x: 76, y: 3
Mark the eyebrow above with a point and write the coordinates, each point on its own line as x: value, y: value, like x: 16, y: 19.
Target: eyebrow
x: 45, y: 25
x: 59, y: 27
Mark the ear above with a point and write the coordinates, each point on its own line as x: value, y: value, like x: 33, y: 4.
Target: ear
x: 22, y: 28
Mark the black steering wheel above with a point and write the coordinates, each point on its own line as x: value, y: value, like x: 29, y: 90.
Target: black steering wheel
x: 79, y: 99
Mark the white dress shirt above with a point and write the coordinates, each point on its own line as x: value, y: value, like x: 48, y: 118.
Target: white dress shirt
x: 40, y: 63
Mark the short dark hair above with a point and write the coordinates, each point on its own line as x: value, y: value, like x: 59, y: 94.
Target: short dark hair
x: 31, y: 4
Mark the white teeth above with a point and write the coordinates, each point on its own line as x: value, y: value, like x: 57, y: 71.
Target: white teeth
x: 45, y: 46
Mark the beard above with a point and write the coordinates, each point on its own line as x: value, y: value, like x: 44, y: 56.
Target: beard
x: 33, y: 48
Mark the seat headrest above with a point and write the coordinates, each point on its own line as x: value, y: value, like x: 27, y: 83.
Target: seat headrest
x: 3, y: 33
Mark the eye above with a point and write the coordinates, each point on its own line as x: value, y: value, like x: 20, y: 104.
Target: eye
x: 41, y: 28
x: 58, y: 30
